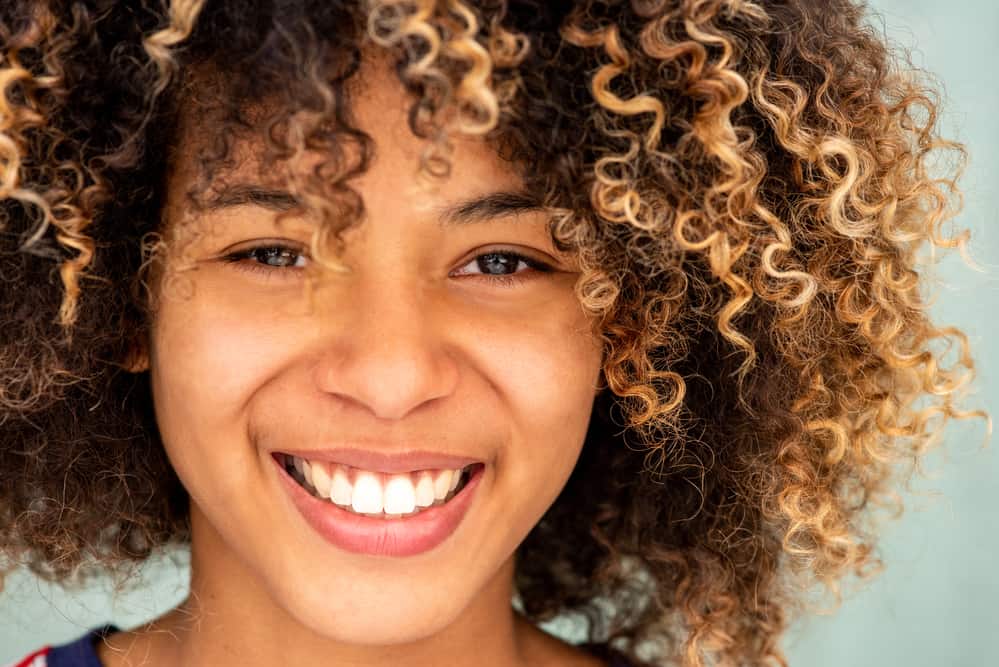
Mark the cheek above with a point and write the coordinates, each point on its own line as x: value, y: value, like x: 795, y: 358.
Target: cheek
x: 546, y: 372
x: 547, y: 365
x: 551, y: 388
x: 209, y: 358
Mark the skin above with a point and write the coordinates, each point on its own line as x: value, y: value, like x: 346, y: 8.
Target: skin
x: 418, y: 347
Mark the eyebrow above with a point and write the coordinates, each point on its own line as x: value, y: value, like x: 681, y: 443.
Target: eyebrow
x: 479, y: 208
x: 486, y: 207
x: 252, y: 195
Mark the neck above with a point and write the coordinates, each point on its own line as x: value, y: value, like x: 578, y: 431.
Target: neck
x: 230, y: 617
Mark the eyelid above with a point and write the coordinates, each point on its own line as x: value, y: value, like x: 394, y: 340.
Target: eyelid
x: 245, y: 246
x: 511, y: 252
x: 528, y: 253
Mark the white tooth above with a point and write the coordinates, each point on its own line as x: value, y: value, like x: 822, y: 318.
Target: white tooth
x: 425, y: 490
x: 307, y: 471
x: 340, y: 489
x: 321, y: 478
x: 400, y: 498
x: 442, y: 484
x: 298, y: 465
x: 455, y: 478
x: 367, y: 493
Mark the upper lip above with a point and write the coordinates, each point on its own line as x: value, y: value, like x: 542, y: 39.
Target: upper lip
x: 379, y: 461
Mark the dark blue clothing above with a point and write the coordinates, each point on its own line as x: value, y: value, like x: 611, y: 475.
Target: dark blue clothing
x: 80, y: 652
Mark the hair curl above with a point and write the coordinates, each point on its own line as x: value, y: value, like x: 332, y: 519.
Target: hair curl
x: 746, y: 186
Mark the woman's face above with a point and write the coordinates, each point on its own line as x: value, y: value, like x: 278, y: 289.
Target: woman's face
x: 419, y: 347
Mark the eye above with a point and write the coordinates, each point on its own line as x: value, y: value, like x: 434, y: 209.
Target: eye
x: 268, y: 259
x: 501, y: 266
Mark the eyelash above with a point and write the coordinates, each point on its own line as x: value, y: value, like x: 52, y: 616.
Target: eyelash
x: 238, y: 260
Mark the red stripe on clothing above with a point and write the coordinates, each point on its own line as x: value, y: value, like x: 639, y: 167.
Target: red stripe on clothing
x: 39, y: 656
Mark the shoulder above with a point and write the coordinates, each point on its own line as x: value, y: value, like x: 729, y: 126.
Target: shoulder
x: 78, y: 652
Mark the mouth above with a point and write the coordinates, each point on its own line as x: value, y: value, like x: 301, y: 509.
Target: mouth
x: 377, y: 495
x: 353, y: 526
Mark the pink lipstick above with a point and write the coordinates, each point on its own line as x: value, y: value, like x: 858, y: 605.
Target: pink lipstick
x: 399, y: 537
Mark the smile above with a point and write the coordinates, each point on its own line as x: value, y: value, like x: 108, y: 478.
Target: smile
x: 380, y: 533
x: 374, y: 494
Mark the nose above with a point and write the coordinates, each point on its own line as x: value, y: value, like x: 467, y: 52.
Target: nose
x: 383, y: 350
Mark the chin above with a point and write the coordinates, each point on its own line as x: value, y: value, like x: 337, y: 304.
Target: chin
x: 377, y: 618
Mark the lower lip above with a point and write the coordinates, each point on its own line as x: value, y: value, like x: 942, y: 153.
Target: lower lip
x: 381, y: 537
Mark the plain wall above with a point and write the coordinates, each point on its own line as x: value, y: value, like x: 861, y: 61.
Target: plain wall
x: 933, y: 606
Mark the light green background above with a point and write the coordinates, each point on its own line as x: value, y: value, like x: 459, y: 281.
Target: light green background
x: 935, y: 604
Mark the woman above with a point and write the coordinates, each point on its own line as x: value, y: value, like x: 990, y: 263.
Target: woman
x: 422, y: 323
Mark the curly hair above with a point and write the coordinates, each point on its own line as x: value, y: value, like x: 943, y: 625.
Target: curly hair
x: 746, y: 186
